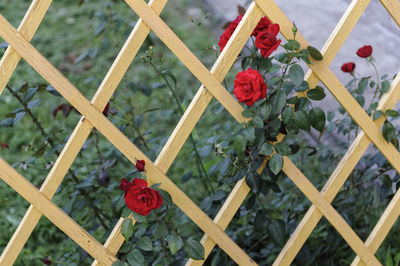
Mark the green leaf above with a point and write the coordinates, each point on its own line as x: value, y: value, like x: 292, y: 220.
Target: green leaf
x: 139, y: 218
x: 258, y: 122
x: 287, y: 114
x: 259, y: 220
x: 275, y: 164
x: 186, y: 229
x: 166, y: 196
x: 278, y: 101
x: 282, y: 58
x: 8, y: 122
x: 127, y: 229
x: 302, y: 120
x: 245, y: 62
x: 239, y: 144
x: 391, y: 113
x: 29, y: 94
x: 317, y: 117
x: 316, y: 94
x: 135, y: 257
x: 362, y: 85
x: 389, y: 260
x: 276, y: 229
x: 251, y: 182
x: 275, y: 81
x: 305, y: 56
x: 292, y: 45
x: 145, y: 243
x: 249, y: 133
x: 266, y: 110
x: 174, y: 243
x: 247, y: 113
x: 377, y: 114
x: 296, y: 74
x: 282, y: 148
x: 266, y: 149
x: 120, y: 263
x: 385, y: 86
x: 315, y: 53
x: 388, y: 131
x: 194, y: 249
x: 303, y: 86
x: 160, y: 231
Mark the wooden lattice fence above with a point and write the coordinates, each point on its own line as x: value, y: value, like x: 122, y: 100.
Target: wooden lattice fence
x: 40, y: 199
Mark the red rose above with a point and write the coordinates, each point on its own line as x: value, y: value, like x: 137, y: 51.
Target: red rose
x: 266, y: 40
x: 139, y: 197
x: 365, y: 51
x: 4, y: 146
x: 140, y: 165
x: 224, y: 38
x: 262, y: 25
x: 348, y: 67
x: 65, y: 108
x: 249, y: 86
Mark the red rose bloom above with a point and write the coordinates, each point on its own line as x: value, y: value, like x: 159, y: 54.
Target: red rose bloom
x: 365, y: 51
x: 140, y: 165
x: 249, y: 86
x: 224, y: 38
x: 348, y: 67
x: 139, y: 197
x: 106, y: 109
x: 266, y: 40
x: 262, y: 25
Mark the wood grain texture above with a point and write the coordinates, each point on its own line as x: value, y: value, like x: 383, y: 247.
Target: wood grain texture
x: 121, y: 142
x: 27, y: 28
x: 54, y: 214
x: 329, y: 212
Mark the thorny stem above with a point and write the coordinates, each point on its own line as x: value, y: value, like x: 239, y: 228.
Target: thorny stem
x: 207, y: 185
x: 51, y: 144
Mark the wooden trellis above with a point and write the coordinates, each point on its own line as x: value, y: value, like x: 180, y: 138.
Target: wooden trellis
x: 40, y: 200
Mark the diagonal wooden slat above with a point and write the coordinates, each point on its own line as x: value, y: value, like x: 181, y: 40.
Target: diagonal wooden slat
x: 329, y: 212
x: 27, y: 28
x: 158, y: 26
x: 79, y: 136
x: 392, y: 212
x: 393, y: 7
x: 121, y: 142
x: 321, y: 69
x: 200, y: 102
x: 54, y: 214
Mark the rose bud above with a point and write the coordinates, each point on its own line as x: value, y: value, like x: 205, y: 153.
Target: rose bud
x: 140, y: 165
x: 348, y: 67
x: 125, y: 184
x: 365, y: 51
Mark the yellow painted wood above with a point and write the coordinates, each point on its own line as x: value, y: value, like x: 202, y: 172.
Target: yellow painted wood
x: 172, y: 41
x: 212, y: 80
x: 27, y: 28
x: 338, y: 36
x: 121, y: 142
x: 329, y: 212
x: 202, y: 98
x: 335, y: 182
x: 77, y: 139
x: 54, y: 214
x: 393, y: 7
